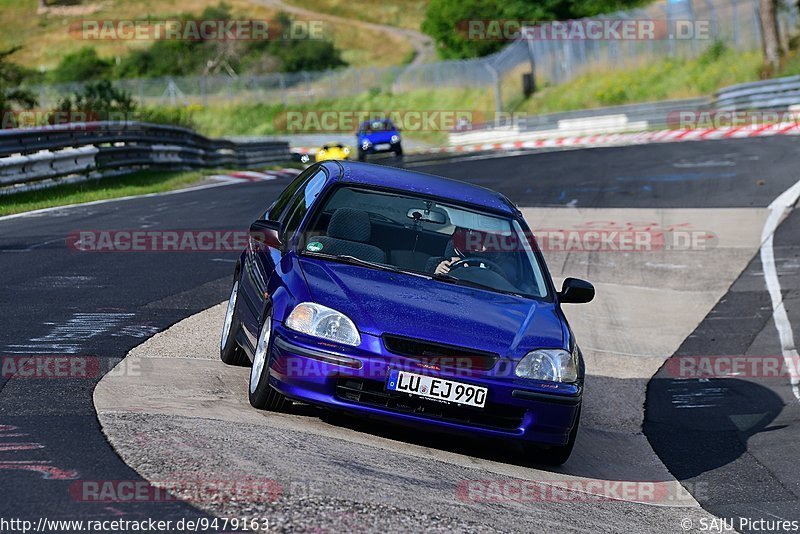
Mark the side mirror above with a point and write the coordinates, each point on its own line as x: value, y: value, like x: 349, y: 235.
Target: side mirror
x: 575, y: 291
x: 266, y: 232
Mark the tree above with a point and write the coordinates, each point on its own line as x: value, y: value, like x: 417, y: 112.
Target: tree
x: 82, y: 65
x: 770, y: 37
x: 447, y: 20
x: 11, y: 78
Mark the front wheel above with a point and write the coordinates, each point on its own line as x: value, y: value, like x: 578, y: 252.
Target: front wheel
x: 262, y: 395
x: 229, y: 350
x: 362, y: 156
x: 398, y: 152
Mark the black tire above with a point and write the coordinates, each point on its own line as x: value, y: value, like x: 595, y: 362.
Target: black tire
x: 261, y: 394
x: 229, y: 351
x: 398, y: 152
x: 553, y: 455
x: 362, y: 156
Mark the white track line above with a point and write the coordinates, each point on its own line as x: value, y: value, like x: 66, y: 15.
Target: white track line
x: 779, y: 207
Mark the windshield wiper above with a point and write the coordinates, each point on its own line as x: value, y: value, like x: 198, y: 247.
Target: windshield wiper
x: 450, y: 279
x: 345, y: 258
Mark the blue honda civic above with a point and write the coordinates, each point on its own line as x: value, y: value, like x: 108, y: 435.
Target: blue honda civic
x: 421, y: 300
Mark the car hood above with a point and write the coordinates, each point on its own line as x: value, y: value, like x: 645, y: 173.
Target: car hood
x: 379, y: 137
x: 384, y: 302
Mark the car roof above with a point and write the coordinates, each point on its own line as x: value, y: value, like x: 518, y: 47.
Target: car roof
x: 379, y: 176
x: 384, y: 120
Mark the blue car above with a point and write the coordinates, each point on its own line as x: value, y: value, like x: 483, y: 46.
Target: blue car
x: 378, y: 136
x: 411, y: 298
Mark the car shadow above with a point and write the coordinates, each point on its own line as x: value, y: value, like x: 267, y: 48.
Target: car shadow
x: 698, y: 426
x: 599, y: 453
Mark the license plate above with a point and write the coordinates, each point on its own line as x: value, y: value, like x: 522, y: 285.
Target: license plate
x: 382, y: 146
x: 436, y: 388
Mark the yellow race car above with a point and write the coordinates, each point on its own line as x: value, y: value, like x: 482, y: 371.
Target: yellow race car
x: 333, y: 151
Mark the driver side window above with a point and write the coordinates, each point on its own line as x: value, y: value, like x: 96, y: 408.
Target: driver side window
x: 301, y: 203
x: 279, y: 206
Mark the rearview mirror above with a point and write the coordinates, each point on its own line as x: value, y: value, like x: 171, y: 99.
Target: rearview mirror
x: 575, y: 291
x: 429, y: 216
x: 266, y: 232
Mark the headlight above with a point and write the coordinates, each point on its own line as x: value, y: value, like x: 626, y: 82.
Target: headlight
x: 320, y: 321
x: 395, y: 139
x: 366, y: 144
x: 552, y: 365
x: 346, y: 150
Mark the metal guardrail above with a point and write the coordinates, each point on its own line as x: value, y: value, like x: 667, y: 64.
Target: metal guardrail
x: 615, y: 119
x: 776, y: 94
x: 32, y: 155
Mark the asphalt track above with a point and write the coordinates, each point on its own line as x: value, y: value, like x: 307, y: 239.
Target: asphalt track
x: 60, y: 301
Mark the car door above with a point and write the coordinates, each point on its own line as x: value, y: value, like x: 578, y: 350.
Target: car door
x: 265, y: 262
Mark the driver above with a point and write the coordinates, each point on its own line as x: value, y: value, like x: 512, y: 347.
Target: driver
x: 464, y: 243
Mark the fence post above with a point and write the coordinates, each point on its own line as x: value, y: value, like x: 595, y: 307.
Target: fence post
x: 531, y: 55
x: 756, y: 24
x: 498, y: 97
x: 670, y: 29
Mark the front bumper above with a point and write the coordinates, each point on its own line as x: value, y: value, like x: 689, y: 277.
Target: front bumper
x: 352, y: 379
x: 392, y: 147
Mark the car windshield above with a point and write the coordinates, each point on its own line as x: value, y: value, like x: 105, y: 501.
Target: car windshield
x: 378, y: 126
x: 416, y: 235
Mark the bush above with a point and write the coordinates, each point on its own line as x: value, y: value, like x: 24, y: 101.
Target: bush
x: 82, y: 65
x: 101, y: 100
x: 296, y: 56
x: 178, y: 116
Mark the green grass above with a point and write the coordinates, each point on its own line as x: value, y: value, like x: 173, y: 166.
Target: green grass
x: 269, y: 119
x: 139, y: 183
x: 660, y: 80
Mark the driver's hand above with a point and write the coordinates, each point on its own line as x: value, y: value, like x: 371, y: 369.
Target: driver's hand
x: 444, y: 267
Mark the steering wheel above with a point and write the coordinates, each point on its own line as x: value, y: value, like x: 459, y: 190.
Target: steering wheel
x: 460, y: 264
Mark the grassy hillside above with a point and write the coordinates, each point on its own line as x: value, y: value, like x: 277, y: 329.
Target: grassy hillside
x: 401, y: 13
x: 46, y: 38
x: 658, y: 80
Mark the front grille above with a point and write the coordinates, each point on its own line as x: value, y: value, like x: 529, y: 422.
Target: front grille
x: 372, y: 393
x: 446, y: 356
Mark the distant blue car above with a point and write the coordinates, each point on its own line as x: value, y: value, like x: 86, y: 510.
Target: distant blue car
x: 378, y: 136
x: 402, y: 296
